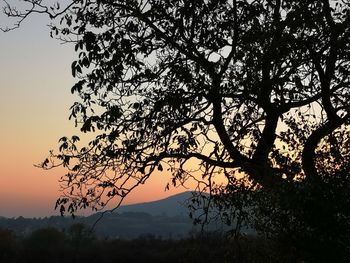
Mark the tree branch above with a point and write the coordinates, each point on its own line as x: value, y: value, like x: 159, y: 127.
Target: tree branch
x: 308, y: 153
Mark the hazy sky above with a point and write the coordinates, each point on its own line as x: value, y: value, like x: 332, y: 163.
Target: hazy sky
x: 35, y: 82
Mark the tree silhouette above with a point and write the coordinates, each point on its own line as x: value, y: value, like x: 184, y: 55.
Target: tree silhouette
x: 233, y: 88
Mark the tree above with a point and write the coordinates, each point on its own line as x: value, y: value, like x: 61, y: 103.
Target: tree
x: 8, y: 243
x: 257, y: 90
x: 44, y: 244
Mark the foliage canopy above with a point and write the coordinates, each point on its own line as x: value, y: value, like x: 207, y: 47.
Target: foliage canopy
x: 257, y: 90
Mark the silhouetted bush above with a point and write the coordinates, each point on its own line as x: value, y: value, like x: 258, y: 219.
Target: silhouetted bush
x: 311, y: 220
x: 45, y: 245
x: 8, y: 245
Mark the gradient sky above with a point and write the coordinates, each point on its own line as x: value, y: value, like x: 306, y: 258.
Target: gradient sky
x: 35, y: 82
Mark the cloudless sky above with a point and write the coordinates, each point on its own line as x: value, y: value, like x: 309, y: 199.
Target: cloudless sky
x: 35, y: 82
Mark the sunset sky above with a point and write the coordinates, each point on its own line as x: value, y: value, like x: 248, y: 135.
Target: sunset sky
x: 35, y: 82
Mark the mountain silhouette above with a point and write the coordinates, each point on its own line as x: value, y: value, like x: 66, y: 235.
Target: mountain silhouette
x: 165, y: 218
x: 176, y: 205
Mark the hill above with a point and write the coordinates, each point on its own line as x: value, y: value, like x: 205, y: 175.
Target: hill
x: 175, y: 205
x: 166, y: 218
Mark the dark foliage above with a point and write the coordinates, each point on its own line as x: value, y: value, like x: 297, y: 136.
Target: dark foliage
x: 251, y: 88
x: 50, y: 245
x: 248, y: 98
x: 311, y: 219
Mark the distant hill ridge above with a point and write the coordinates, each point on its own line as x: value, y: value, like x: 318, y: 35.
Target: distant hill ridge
x: 165, y: 218
x: 175, y: 205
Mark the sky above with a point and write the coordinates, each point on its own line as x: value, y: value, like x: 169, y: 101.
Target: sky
x: 35, y: 82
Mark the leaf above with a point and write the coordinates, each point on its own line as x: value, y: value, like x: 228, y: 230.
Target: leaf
x: 63, y: 146
x: 45, y: 163
x: 86, y: 126
x: 63, y: 139
x: 75, y: 138
x: 78, y: 68
x: 74, y: 64
x: 62, y: 210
